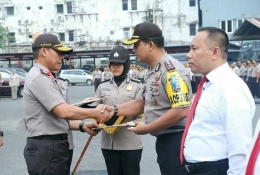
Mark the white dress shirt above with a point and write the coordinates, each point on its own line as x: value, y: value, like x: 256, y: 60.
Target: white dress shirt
x: 257, y: 163
x: 222, y: 127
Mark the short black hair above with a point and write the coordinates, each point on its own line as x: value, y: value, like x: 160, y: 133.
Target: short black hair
x: 158, y: 41
x: 217, y: 37
x: 36, y: 54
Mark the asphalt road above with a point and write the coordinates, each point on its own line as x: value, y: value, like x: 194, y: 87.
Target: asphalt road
x: 11, y: 153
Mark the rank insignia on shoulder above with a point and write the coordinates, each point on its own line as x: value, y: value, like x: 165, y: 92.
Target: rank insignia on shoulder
x: 169, y: 66
x: 46, y: 72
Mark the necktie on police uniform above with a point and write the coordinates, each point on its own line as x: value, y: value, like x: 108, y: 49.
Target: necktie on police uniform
x: 252, y: 159
x: 190, y: 116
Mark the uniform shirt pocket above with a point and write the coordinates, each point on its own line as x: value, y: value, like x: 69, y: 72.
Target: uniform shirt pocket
x: 129, y: 94
x: 105, y: 93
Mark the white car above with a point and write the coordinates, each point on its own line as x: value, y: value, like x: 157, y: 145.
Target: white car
x: 76, y: 76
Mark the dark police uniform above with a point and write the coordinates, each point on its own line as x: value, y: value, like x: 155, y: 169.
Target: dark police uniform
x: 167, y: 86
x: 47, y: 148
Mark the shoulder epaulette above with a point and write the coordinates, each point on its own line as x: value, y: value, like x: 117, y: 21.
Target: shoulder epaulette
x: 169, y: 66
x: 105, y: 81
x: 46, y: 73
x: 61, y: 78
x: 135, y: 80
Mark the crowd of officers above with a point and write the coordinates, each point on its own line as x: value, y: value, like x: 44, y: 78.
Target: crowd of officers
x: 136, y: 72
x: 249, y: 71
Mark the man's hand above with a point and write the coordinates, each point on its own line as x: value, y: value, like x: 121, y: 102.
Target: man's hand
x: 1, y: 141
x: 89, y: 128
x: 141, y: 128
x: 102, y: 115
x: 109, y: 109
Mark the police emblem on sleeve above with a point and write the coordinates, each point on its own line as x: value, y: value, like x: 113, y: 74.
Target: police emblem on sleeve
x: 177, y: 90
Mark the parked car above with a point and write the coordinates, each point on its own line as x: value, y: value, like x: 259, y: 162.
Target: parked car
x: 19, y: 71
x: 5, y: 88
x: 76, y: 76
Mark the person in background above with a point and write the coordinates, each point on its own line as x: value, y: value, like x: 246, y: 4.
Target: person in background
x: 97, y: 75
x: 140, y: 73
x: 122, y: 150
x: 1, y: 81
x: 1, y: 138
x: 14, y: 81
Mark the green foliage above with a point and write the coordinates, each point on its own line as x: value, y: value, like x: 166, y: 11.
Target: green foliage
x: 3, y: 37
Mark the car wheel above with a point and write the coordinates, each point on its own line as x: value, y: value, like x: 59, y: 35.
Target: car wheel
x: 20, y: 91
x: 89, y: 82
x: 73, y: 84
x: 68, y: 82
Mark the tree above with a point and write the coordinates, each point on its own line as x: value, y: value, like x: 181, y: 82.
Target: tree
x: 3, y: 37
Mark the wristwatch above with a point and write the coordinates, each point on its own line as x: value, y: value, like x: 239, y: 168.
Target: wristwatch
x: 115, y: 110
x: 1, y: 133
x: 81, y: 126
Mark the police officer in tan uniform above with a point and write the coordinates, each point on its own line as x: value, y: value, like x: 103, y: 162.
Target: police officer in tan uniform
x: 48, y: 117
x: 122, y: 149
x: 165, y: 97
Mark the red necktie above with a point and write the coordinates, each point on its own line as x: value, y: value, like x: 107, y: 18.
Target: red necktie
x: 189, y: 120
x: 254, y: 154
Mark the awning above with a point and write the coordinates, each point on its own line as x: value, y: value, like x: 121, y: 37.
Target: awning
x: 248, y: 30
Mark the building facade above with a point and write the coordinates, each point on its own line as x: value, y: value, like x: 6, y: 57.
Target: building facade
x: 228, y: 15
x: 92, y: 24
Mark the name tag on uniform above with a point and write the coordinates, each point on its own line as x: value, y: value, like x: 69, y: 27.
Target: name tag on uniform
x: 105, y: 89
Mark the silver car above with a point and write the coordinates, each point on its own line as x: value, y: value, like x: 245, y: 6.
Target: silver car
x: 76, y: 76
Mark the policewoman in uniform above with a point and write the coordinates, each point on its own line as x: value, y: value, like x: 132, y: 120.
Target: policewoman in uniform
x: 97, y: 75
x: 48, y: 117
x: 165, y: 97
x: 122, y: 149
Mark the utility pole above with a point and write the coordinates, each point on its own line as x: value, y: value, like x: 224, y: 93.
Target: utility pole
x: 7, y: 36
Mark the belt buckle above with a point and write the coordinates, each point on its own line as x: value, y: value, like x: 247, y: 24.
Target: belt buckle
x: 187, y: 168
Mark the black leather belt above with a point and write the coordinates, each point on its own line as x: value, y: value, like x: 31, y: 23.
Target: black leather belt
x: 51, y: 137
x: 193, y: 167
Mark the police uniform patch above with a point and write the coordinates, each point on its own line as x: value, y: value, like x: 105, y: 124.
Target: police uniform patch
x: 158, y: 75
x: 177, y: 90
x: 169, y: 66
x: 129, y: 87
x: 47, y: 73
x: 62, y: 85
x: 105, y: 89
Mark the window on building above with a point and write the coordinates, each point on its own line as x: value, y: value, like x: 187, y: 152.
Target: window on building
x: 239, y: 22
x: 192, y: 2
x: 223, y: 25
x: 11, y: 37
x: 134, y: 4
x: 126, y: 32
x: 227, y: 26
x: 28, y: 8
x: 62, y: 36
x: 59, y: 8
x: 125, y: 4
x: 71, y: 35
x: 40, y: 7
x: 69, y: 7
x: 29, y: 36
x: 192, y: 29
x: 9, y: 11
